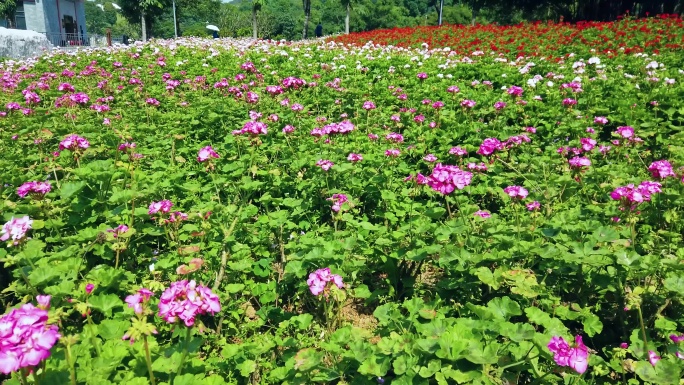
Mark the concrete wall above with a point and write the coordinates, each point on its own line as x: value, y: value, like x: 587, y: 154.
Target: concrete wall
x: 34, y: 15
x: 51, y: 19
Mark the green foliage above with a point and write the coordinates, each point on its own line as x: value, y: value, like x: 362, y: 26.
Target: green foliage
x: 432, y: 293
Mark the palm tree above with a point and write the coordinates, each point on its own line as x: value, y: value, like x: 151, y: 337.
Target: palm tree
x: 307, y: 16
x: 347, y: 5
x: 256, y: 7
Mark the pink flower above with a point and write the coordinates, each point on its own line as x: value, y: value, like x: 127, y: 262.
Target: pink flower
x: 36, y: 189
x: 453, y: 89
x: 624, y: 345
x: 533, y: 206
x: 368, y: 105
x: 125, y: 146
x: 252, y: 128
x: 579, y: 162
x: 394, y: 137
x: 422, y: 76
x: 325, y: 164
x: 653, y: 357
x: 26, y: 337
x: 575, y: 357
x: 288, y: 129
x: 567, y: 102
x: 373, y: 137
x: 677, y: 339
x: 338, y: 200
x: 661, y: 169
x: 73, y: 143
x: 354, y: 157
x: 43, y: 301
x: 184, y: 301
x: 458, y: 151
x: 392, y: 152
x: 163, y: 206
x: 531, y: 130
x: 489, y: 146
x: 480, y: 167
x: 625, y: 131
x: 515, y: 91
x: 205, y: 153
x: 137, y: 300
x: 604, y: 149
x: 601, y: 120
x: 468, y: 103
x: 588, y: 144
x: 16, y: 229
x: 437, y: 105
x: 120, y: 229
x: 152, y: 102
x: 516, y: 192
x: 319, y: 279
x: 89, y: 288
x: 499, y: 105
x: 430, y: 158
x: 482, y: 214
x: 445, y: 178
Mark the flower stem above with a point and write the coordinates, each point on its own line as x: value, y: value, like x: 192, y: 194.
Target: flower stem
x: 643, y: 328
x: 148, y: 360
x: 70, y: 362
x: 186, y: 344
x: 93, y: 339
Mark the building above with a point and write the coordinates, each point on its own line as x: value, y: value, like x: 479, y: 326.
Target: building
x: 62, y: 21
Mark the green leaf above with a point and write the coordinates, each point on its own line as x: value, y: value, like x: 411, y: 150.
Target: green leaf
x: 665, y: 372
x: 247, y: 367
x: 375, y: 366
x: 105, y: 303
x: 307, y: 359
x: 69, y: 189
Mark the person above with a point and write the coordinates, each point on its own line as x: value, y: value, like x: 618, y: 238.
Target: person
x: 214, y: 34
x: 319, y: 30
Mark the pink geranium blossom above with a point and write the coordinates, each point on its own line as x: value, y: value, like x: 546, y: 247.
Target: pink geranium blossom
x: 575, y: 357
x: 338, y: 200
x: 661, y: 169
x: 36, y: 189
x: 16, y: 229
x: 446, y: 178
x: 184, y: 301
x: 163, y: 206
x: 206, y: 153
x: 318, y: 281
x: 26, y: 337
x: 516, y: 192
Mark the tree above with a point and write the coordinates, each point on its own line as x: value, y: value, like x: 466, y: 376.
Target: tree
x: 8, y: 8
x: 144, y: 10
x: 256, y: 7
x: 307, y: 16
x: 347, y: 7
x: 99, y: 19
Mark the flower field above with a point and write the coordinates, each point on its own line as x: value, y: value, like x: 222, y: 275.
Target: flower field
x: 235, y: 212
x: 547, y: 39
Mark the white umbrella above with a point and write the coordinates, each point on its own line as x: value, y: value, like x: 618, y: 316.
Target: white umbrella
x: 212, y: 27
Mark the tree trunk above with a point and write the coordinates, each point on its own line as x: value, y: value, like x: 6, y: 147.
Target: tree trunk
x: 254, y: 22
x: 305, y: 34
x: 144, y: 26
x: 307, y: 16
x: 346, y: 18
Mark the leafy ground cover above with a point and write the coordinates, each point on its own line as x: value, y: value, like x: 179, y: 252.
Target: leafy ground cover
x: 548, y: 39
x: 210, y: 212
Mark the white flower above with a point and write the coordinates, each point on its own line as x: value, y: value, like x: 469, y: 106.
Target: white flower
x: 594, y: 60
x: 152, y: 268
